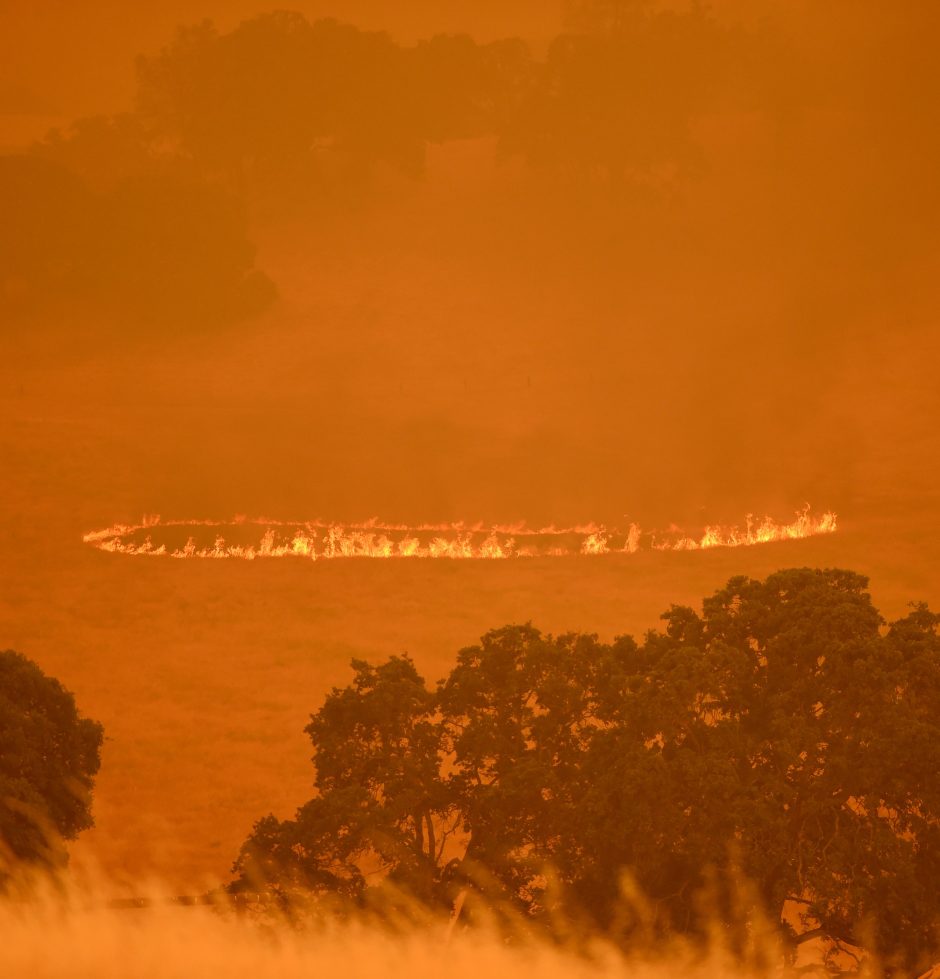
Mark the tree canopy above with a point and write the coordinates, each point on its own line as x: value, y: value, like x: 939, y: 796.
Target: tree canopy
x: 640, y: 106
x: 784, y: 736
x: 279, y: 90
x: 49, y: 755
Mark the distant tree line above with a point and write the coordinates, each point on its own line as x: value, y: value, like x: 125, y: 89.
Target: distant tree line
x: 777, y: 751
x: 325, y: 102
x: 146, y: 213
x: 279, y: 91
x: 150, y: 211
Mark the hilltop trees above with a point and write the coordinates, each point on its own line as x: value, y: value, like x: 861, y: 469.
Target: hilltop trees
x: 647, y: 122
x: 783, y: 737
x: 620, y: 102
x: 145, y: 214
x: 283, y: 105
x: 49, y: 755
x: 279, y: 94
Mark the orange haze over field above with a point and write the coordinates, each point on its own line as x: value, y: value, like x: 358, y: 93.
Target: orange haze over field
x: 660, y: 292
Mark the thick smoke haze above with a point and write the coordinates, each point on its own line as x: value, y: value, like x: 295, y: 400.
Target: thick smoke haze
x: 609, y: 262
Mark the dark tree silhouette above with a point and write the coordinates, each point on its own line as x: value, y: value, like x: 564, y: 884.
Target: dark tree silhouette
x: 463, y: 89
x: 278, y: 93
x: 105, y: 150
x: 49, y: 755
x: 601, y: 16
x: 780, y: 735
x: 518, y: 711
x: 620, y: 103
x: 381, y: 799
x: 783, y: 739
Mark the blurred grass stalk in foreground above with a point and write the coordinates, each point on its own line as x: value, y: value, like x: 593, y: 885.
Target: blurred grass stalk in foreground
x: 51, y: 929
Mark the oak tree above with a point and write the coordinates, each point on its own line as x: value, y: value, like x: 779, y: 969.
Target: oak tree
x: 49, y: 755
x: 779, y: 748
x: 380, y: 804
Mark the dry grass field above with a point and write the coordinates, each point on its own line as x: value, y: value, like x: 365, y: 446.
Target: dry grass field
x: 677, y: 267
x: 419, y: 367
x: 353, y: 399
x: 204, y: 672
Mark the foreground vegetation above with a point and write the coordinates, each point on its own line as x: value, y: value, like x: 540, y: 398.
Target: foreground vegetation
x: 758, y: 779
x: 51, y: 938
x: 49, y: 756
x: 784, y: 738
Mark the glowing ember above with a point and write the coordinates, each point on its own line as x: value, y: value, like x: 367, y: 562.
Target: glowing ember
x: 248, y: 539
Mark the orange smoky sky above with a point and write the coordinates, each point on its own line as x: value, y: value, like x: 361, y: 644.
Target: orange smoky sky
x: 556, y: 263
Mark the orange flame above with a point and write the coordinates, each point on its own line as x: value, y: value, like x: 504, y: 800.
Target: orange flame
x: 317, y: 540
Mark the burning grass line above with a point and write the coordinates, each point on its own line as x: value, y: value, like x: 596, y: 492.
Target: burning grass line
x: 319, y: 539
